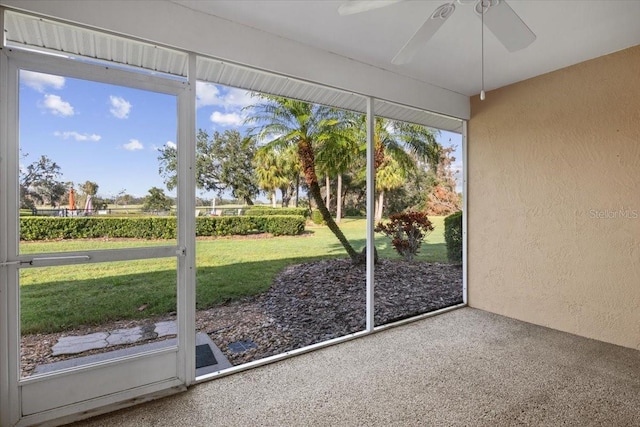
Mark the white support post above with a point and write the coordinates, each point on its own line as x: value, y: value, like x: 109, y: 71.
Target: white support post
x: 371, y: 197
x: 186, y: 226
x: 465, y: 213
x: 9, y: 297
x: 5, y: 382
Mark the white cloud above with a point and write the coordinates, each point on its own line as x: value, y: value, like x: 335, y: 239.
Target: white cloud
x: 226, y: 119
x: 57, y: 106
x: 40, y: 81
x: 171, y: 144
x: 209, y: 94
x: 133, y: 145
x: 120, y: 107
x: 78, y: 136
x: 239, y: 98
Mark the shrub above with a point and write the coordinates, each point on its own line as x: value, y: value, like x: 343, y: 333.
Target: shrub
x: 52, y: 228
x: 406, y: 230
x: 280, y: 225
x: 316, y: 217
x: 224, y: 225
x: 453, y: 237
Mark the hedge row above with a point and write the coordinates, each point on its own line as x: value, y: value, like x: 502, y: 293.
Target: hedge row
x: 264, y: 210
x: 453, y: 237
x: 277, y: 225
x: 51, y: 228
x: 280, y: 225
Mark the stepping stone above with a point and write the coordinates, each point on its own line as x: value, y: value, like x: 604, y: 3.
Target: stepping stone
x: 166, y: 328
x: 124, y: 336
x: 78, y: 344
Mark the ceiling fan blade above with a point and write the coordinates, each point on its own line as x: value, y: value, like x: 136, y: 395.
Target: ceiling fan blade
x: 357, y: 6
x: 506, y: 25
x: 424, y: 33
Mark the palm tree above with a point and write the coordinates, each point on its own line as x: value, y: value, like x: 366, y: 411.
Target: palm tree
x: 274, y: 170
x: 389, y: 177
x: 307, y: 126
x: 399, y: 147
x: 324, y: 168
x: 289, y: 167
x: 267, y: 171
x: 337, y: 155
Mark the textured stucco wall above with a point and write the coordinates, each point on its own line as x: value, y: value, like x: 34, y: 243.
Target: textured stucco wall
x: 554, y: 200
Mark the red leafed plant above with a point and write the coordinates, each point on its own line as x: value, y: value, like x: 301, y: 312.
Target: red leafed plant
x: 407, y: 230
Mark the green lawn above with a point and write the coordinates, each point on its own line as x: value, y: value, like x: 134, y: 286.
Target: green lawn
x: 58, y: 298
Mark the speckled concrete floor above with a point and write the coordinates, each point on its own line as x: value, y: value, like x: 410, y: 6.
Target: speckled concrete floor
x: 463, y: 368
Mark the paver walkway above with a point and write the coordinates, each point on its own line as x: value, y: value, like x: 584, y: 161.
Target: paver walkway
x: 82, y: 343
x: 79, y: 344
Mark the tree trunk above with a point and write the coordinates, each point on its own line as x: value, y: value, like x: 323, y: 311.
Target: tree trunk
x: 305, y: 152
x: 287, y: 194
x: 297, y: 190
x: 379, y: 155
x: 273, y: 199
x: 380, y: 206
x: 378, y: 162
x: 327, y: 181
x: 339, y: 199
x: 326, y: 215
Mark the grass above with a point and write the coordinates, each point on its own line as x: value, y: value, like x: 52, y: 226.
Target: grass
x: 58, y: 298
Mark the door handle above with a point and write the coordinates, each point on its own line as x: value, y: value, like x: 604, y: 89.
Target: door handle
x: 60, y: 258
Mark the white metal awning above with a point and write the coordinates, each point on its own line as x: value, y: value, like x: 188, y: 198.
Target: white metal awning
x: 37, y: 33
x: 26, y: 31
x: 216, y: 71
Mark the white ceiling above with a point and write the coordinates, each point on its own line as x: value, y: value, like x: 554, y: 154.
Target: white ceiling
x: 568, y: 32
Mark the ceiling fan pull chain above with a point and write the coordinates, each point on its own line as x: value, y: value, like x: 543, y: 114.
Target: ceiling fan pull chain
x: 482, y: 11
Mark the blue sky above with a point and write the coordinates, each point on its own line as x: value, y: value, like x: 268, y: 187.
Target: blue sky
x: 111, y: 134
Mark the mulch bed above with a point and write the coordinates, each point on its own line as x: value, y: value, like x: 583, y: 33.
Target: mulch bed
x: 327, y: 299
x: 307, y: 303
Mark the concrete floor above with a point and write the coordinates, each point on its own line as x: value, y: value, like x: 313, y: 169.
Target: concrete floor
x: 463, y: 368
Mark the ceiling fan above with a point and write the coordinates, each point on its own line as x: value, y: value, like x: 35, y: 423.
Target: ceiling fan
x: 497, y: 15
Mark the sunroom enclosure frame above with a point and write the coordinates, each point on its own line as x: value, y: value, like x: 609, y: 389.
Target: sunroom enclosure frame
x: 195, y: 67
